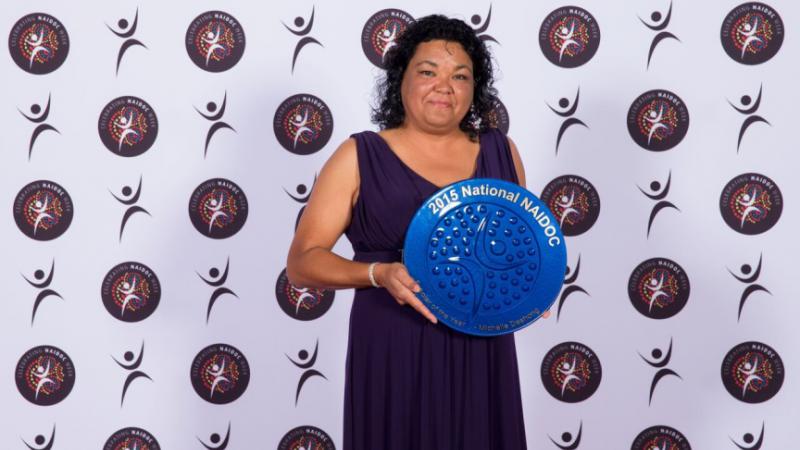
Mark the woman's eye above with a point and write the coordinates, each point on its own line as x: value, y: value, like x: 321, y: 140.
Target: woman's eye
x: 426, y: 73
x: 461, y: 77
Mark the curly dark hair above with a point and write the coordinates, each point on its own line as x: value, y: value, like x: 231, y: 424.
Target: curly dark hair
x: 389, y: 113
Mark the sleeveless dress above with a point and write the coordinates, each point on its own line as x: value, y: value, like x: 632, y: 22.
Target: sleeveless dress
x: 411, y: 384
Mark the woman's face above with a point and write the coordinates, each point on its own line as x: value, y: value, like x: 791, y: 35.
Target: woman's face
x: 437, y: 86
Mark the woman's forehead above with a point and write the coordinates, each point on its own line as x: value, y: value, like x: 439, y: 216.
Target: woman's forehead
x: 439, y: 50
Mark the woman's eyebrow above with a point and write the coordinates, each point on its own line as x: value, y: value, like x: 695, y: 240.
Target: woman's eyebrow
x: 458, y: 67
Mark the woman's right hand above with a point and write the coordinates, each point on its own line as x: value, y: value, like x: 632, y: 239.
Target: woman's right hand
x: 395, y: 278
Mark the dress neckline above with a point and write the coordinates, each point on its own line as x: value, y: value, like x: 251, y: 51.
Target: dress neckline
x: 416, y: 174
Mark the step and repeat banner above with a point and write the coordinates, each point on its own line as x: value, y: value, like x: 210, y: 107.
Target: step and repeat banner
x: 157, y: 157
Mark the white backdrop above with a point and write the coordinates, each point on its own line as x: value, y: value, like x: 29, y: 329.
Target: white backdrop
x: 337, y: 71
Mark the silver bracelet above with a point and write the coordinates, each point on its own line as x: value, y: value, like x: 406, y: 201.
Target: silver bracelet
x: 372, y: 275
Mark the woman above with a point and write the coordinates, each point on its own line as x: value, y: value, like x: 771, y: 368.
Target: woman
x: 412, y: 383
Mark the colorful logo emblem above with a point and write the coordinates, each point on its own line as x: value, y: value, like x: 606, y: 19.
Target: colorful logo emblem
x: 661, y: 437
x: 752, y: 33
x: 38, y: 43
x: 43, y: 210
x: 215, y: 41
x: 306, y: 437
x: 751, y: 203
x: 380, y: 33
x: 130, y: 292
x: 128, y: 126
x: 569, y: 36
x: 498, y: 117
x: 218, y: 208
x: 303, y: 124
x: 571, y: 372
x: 658, y: 120
x: 132, y: 438
x: 574, y: 201
x: 752, y: 372
x: 45, y: 375
x: 302, y: 303
x: 658, y: 288
x: 220, y: 374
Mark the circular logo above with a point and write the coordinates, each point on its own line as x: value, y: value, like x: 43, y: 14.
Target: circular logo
x: 569, y: 36
x: 215, y: 41
x: 306, y: 437
x: 302, y: 303
x: 660, y: 437
x: 658, y: 120
x: 303, y: 124
x: 220, y: 374
x: 488, y: 256
x: 571, y: 372
x: 130, y: 291
x: 45, y: 375
x: 752, y: 372
x: 752, y: 33
x: 128, y: 126
x: 381, y: 31
x: 658, y: 288
x: 218, y: 208
x: 498, y: 116
x: 751, y: 203
x: 132, y: 438
x: 43, y: 210
x: 575, y: 203
x: 38, y: 43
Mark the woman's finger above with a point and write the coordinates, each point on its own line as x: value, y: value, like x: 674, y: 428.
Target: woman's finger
x: 415, y: 303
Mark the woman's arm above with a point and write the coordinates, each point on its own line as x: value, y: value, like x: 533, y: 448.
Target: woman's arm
x: 517, y: 162
x: 311, y: 263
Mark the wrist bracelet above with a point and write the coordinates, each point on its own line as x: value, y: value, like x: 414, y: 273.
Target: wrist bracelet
x: 372, y: 275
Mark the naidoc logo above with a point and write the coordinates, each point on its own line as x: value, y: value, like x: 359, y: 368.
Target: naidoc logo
x: 574, y: 201
x: 220, y: 374
x: 752, y: 372
x: 42, y: 443
x: 752, y: 33
x: 218, y: 208
x: 306, y: 437
x: 132, y: 438
x: 302, y: 303
x: 750, y: 441
x: 130, y: 292
x: 38, y: 43
x: 128, y: 126
x: 658, y: 288
x: 660, y: 22
x: 303, y: 124
x: 215, y: 41
x: 658, y: 120
x: 571, y: 372
x: 751, y: 203
x: 45, y: 375
x: 568, y: 441
x: 380, y: 33
x: 498, y: 116
x: 43, y: 210
x: 569, y: 36
x: 661, y: 437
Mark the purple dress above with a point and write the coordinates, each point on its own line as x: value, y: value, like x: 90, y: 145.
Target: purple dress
x: 410, y: 384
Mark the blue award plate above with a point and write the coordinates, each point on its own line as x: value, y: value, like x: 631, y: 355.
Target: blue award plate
x: 488, y: 254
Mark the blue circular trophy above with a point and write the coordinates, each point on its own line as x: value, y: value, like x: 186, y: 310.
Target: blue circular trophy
x: 488, y: 254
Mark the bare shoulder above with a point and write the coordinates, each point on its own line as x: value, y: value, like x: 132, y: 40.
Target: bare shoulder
x: 517, y: 162
x: 341, y: 169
